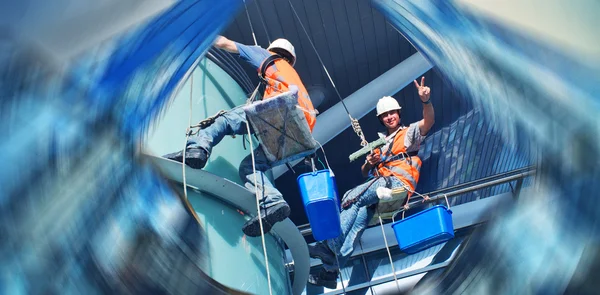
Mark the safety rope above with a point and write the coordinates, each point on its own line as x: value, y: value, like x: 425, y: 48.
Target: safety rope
x: 387, y: 247
x: 250, y: 22
x: 354, y: 122
x: 206, y: 122
x: 254, y: 94
x: 262, y: 234
x: 407, y: 188
x: 337, y: 261
x: 187, y: 137
x: 334, y: 243
x: 258, y: 212
x: 262, y: 21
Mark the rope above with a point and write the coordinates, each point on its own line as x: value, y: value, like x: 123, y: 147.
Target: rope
x: 406, y: 207
x: 325, y: 156
x: 262, y: 235
x: 187, y: 137
x: 354, y: 122
x: 254, y: 93
x: 262, y: 21
x: 205, y: 123
x: 358, y: 131
x: 339, y: 266
x: 250, y: 22
x: 387, y: 247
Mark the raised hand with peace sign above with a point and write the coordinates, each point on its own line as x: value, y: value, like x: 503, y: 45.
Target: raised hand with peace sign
x: 428, y: 113
x: 423, y: 90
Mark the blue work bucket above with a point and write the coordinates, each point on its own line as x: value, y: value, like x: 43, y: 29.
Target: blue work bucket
x: 320, y: 198
x: 425, y: 229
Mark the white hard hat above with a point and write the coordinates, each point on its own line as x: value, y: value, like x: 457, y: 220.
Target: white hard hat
x: 286, y: 46
x: 386, y: 104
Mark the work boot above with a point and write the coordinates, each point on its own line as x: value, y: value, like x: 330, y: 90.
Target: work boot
x: 194, y: 157
x: 270, y: 216
x: 327, y: 279
x: 321, y: 251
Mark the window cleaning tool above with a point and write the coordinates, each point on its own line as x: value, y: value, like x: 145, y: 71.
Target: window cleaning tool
x: 368, y: 148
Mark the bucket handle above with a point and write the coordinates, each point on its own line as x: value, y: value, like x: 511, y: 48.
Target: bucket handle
x: 325, y: 156
x: 447, y: 203
x: 394, y: 216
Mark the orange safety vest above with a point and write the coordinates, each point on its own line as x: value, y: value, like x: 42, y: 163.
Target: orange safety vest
x: 279, y: 78
x: 395, y: 162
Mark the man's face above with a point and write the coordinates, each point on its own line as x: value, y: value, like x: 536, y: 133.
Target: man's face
x: 390, y: 119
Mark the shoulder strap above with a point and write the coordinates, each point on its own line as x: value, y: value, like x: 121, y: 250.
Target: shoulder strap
x: 393, y: 156
x: 266, y: 63
x: 262, y: 72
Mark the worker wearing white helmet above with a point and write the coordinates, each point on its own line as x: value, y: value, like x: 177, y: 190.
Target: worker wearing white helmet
x: 275, y: 66
x: 284, y: 48
x: 395, y: 165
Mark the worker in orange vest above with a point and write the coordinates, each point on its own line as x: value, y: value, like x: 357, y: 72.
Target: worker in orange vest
x: 275, y: 66
x: 395, y: 165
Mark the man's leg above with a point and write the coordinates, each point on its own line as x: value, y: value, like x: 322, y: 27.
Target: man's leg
x: 273, y: 207
x: 199, y: 147
x: 354, y: 220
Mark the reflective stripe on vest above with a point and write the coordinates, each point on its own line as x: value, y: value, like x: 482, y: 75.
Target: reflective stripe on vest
x: 407, y: 169
x: 279, y: 77
x: 411, y: 181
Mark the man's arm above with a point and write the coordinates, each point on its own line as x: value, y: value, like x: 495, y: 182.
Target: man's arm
x: 428, y: 113
x: 226, y: 44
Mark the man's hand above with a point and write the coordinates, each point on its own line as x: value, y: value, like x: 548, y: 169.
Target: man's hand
x: 225, y: 44
x: 428, y: 113
x: 373, y: 159
x: 423, y: 90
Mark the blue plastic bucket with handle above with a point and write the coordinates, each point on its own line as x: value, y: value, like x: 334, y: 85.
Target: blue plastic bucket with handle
x: 320, y: 198
x: 424, y: 229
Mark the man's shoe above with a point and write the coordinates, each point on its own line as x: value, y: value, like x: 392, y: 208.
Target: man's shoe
x: 325, y: 279
x: 270, y: 216
x: 321, y: 251
x: 194, y: 157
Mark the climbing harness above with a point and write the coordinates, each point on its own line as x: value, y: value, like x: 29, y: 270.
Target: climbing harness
x: 262, y: 73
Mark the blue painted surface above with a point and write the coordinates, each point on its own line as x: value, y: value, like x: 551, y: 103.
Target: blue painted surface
x: 79, y: 211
